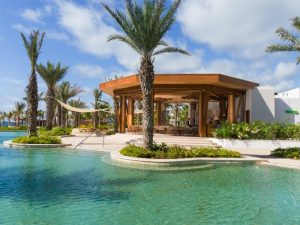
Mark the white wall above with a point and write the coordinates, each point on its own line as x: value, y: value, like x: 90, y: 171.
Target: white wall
x: 260, y: 102
x: 287, y: 103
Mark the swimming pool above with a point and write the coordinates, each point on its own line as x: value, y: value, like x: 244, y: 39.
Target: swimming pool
x: 64, y: 187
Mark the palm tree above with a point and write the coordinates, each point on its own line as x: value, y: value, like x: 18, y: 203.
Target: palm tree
x: 19, y: 110
x: 9, y: 117
x: 2, y: 118
x: 51, y: 74
x: 97, y: 103
x: 145, y: 27
x: 292, y: 41
x: 64, y: 92
x: 77, y: 103
x: 41, y: 115
x: 33, y: 47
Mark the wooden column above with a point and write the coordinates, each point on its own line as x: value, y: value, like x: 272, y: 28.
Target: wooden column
x: 202, y: 113
x: 123, y: 114
x: 223, y: 110
x: 158, y: 113
x: 231, y: 109
x: 192, y: 113
x: 130, y: 114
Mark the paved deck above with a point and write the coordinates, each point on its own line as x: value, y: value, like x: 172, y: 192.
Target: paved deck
x: 114, y: 143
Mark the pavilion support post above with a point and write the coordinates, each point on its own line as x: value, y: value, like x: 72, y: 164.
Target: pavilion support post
x: 231, y: 109
x: 202, y: 113
x: 123, y: 114
x: 192, y: 113
x: 159, y: 113
x: 130, y: 114
x: 223, y: 109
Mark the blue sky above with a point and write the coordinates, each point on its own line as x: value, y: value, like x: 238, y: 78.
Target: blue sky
x: 227, y: 37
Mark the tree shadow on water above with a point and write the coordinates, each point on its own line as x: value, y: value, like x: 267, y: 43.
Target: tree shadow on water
x: 43, y: 185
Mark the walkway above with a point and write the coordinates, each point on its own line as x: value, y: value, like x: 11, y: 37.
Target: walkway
x: 114, y: 143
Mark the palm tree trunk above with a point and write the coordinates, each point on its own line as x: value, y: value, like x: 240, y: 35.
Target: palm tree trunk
x: 96, y: 119
x: 50, y: 108
x: 63, y: 117
x: 116, y: 114
x: 33, y: 102
x: 146, y: 74
x: 59, y: 115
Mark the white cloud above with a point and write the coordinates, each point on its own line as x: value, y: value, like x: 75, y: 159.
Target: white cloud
x: 90, y: 33
x: 32, y: 15
x: 91, y: 71
x: 243, y: 28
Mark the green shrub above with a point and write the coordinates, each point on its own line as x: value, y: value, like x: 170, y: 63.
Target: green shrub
x: 56, y: 131
x: 175, y: 152
x: 258, y: 130
x: 292, y: 153
x: 111, y: 132
x: 37, y: 140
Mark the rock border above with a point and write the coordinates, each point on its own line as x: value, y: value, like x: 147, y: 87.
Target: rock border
x: 118, y: 157
x: 11, y: 144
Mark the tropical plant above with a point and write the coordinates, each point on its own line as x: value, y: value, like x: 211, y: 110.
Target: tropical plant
x: 33, y: 47
x: 2, y: 118
x: 145, y: 27
x: 64, y: 92
x: 9, y: 117
x: 97, y: 103
x: 77, y: 103
x: 292, y: 41
x: 51, y: 74
x: 19, y: 110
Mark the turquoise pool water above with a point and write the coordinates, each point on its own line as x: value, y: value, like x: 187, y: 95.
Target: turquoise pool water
x: 62, y: 187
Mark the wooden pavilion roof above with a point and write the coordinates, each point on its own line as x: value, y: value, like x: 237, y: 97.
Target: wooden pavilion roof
x: 181, y: 86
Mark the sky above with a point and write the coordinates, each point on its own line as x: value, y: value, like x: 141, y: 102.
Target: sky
x: 227, y: 37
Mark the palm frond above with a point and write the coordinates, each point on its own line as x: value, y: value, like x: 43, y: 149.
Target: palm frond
x: 170, y: 50
x: 280, y: 48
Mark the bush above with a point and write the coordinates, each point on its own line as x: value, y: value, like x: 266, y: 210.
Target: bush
x: 111, y: 132
x: 258, y: 130
x: 175, y: 152
x: 37, y: 140
x: 56, y: 131
x: 292, y: 153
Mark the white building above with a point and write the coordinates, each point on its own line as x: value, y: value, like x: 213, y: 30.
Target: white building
x: 263, y: 104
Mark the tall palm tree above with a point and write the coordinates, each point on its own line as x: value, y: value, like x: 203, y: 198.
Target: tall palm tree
x: 3, y: 115
x: 77, y: 103
x: 64, y: 92
x: 145, y: 27
x: 51, y: 74
x: 9, y: 117
x: 292, y: 41
x: 33, y: 47
x: 19, y: 110
x: 96, y: 104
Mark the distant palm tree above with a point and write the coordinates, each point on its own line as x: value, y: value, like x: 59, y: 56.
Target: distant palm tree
x: 96, y: 104
x: 145, y: 27
x: 9, y: 117
x: 64, y: 92
x: 51, y: 74
x: 77, y: 103
x: 33, y: 47
x: 3, y: 115
x: 19, y: 110
x: 292, y: 40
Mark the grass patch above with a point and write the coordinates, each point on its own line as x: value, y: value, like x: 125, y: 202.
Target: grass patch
x: 55, y: 132
x: 37, y: 140
x: 21, y: 128
x: 176, y: 152
x: 291, y: 153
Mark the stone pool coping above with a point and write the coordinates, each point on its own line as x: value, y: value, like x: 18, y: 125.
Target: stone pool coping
x: 11, y: 144
x: 117, y: 156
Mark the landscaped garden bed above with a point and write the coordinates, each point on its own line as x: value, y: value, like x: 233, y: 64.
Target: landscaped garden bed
x: 176, y: 152
x: 292, y: 153
x: 258, y: 131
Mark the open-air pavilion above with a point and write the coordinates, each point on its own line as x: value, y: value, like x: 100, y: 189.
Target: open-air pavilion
x: 209, y: 96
